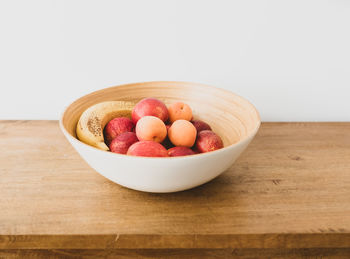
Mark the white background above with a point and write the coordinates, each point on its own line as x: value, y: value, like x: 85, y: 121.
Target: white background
x: 290, y: 58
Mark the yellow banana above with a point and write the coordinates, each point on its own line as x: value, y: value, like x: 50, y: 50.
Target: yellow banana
x: 93, y: 120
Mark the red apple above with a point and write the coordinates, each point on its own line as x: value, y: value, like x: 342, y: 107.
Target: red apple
x: 180, y: 151
x: 150, y: 107
x: 208, y: 141
x: 200, y: 125
x: 122, y: 142
x: 147, y: 148
x: 116, y: 127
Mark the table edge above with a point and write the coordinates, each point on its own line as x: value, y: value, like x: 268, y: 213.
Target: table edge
x: 181, y: 241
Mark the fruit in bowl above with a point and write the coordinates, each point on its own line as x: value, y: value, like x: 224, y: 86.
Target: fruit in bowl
x: 200, y: 125
x: 180, y: 151
x: 150, y: 107
x: 179, y: 111
x: 151, y: 128
x: 122, y: 142
x: 117, y: 126
x: 147, y: 148
x: 148, y: 114
x: 232, y: 118
x: 92, y: 121
x: 182, y: 133
x: 208, y: 141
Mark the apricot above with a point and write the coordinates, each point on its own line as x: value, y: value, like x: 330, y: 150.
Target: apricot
x: 151, y: 128
x: 179, y: 111
x: 182, y: 133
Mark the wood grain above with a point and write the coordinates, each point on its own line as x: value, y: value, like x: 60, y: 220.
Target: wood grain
x: 311, y: 253
x: 289, y: 190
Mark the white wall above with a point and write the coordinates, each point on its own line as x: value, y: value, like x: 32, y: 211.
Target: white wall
x: 290, y: 58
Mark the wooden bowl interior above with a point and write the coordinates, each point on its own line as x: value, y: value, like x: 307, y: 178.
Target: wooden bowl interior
x: 229, y: 115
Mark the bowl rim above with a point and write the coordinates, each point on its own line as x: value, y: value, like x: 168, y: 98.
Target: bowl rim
x: 240, y: 142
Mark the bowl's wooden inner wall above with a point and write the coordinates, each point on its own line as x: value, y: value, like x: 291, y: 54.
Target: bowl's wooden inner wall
x: 229, y: 115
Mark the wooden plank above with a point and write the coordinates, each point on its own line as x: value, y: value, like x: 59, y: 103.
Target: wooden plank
x: 186, y: 241
x: 290, y: 189
x: 314, y: 253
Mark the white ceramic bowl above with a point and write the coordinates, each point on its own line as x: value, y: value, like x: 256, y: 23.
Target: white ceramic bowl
x: 230, y: 116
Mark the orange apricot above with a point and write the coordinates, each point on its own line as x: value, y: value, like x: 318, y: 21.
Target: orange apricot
x: 182, y: 133
x: 179, y: 111
x: 151, y: 128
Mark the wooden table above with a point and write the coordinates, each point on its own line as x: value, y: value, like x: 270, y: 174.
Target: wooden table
x: 287, y: 196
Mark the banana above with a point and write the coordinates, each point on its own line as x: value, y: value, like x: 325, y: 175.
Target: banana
x: 93, y: 120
